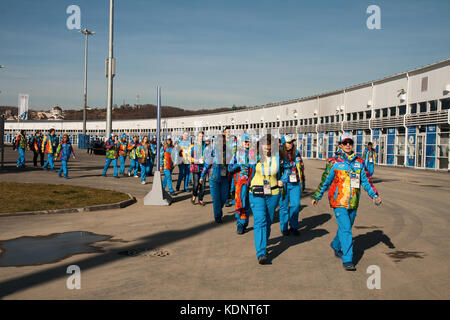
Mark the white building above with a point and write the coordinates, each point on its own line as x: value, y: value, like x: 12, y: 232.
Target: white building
x: 405, y: 115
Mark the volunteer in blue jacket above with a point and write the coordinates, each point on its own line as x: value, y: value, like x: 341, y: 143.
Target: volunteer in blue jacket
x: 265, y: 193
x: 216, y: 166
x: 183, y: 147
x: 369, y: 156
x: 153, y: 149
x: 294, y: 184
x: 241, y: 167
x: 197, y: 160
x: 63, y: 153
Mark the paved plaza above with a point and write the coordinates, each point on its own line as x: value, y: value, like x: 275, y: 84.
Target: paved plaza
x: 178, y: 252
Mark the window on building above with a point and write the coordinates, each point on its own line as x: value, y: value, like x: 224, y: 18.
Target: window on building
x: 423, y: 107
x: 355, y: 116
x: 445, y: 104
x: 393, y: 111
x: 402, y: 110
x: 361, y: 115
x: 327, y: 119
x: 377, y: 113
x: 368, y: 114
x: 331, y: 119
x: 315, y: 120
x: 413, y: 108
x: 296, y: 122
x: 433, y: 105
x: 385, y: 112
x: 349, y: 116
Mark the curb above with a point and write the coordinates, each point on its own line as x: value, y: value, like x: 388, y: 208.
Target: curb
x: 117, y: 205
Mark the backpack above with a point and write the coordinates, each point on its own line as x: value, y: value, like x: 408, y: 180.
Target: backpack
x: 31, y: 144
x: 16, y: 143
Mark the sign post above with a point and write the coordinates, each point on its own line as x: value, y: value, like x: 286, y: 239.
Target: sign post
x: 158, y: 196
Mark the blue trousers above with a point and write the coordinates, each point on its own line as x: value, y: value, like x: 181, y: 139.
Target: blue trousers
x: 370, y: 167
x: 133, y: 166
x: 244, y: 198
x: 151, y: 165
x: 63, y: 169
x: 144, y: 170
x: 21, y: 158
x: 167, y: 180
x: 49, y: 162
x: 107, y: 163
x: 122, y: 164
x: 219, y: 194
x: 263, y: 209
x: 343, y: 240
x: 290, y: 206
x: 183, y: 175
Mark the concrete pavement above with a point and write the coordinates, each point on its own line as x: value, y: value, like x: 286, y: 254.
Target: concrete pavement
x: 178, y: 252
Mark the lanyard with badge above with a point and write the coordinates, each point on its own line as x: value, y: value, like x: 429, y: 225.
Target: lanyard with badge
x: 200, y: 160
x: 293, y: 175
x: 354, y: 180
x: 267, y: 188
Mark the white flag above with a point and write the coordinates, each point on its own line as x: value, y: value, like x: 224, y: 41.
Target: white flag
x: 23, y: 106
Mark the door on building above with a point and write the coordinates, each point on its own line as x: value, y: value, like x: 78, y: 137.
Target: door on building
x: 382, y: 150
x: 420, y: 151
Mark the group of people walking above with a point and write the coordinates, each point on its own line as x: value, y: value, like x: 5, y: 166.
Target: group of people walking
x: 257, y: 181
x: 45, y: 145
x: 274, y: 176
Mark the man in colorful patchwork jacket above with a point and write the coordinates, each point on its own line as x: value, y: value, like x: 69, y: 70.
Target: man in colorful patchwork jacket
x: 122, y: 153
x: 21, y: 144
x: 49, y: 145
x: 344, y: 175
x: 111, y: 155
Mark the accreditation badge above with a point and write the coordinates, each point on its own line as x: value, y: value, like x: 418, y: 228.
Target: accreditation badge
x: 267, y: 188
x: 354, y: 180
x: 223, y: 171
x: 293, y: 176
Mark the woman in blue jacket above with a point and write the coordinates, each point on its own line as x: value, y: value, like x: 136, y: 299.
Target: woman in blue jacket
x: 216, y: 166
x: 63, y: 153
x: 294, y: 184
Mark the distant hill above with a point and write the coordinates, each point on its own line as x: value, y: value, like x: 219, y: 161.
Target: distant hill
x: 146, y: 111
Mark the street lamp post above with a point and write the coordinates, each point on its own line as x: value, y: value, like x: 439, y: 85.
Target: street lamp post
x: 110, y: 69
x: 87, y: 33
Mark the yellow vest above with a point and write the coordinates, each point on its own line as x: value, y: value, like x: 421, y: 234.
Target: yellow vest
x: 258, y: 178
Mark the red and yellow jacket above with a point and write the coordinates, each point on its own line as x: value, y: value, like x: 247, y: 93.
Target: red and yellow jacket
x: 339, y: 173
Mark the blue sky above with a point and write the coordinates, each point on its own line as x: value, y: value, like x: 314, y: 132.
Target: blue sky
x: 208, y: 54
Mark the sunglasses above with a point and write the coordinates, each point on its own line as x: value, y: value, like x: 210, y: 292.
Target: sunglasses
x: 346, y: 142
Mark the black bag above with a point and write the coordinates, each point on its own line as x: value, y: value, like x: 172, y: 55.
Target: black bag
x: 258, y: 191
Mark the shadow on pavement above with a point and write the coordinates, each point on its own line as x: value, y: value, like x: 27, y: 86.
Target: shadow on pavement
x: 153, y: 241
x: 307, y: 233
x: 369, y: 240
